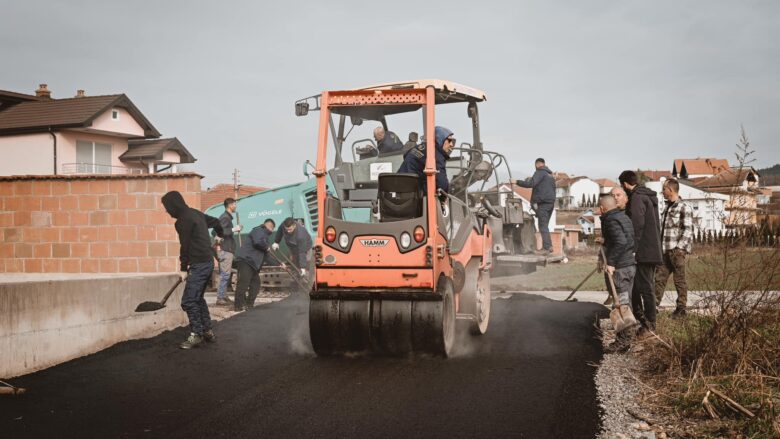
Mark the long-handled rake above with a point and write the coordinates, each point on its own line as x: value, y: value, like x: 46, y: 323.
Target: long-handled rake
x: 287, y: 263
x: 569, y: 298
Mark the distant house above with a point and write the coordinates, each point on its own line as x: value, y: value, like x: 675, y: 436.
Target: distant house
x: 576, y: 192
x: 217, y: 194
x: 525, y: 195
x: 742, y: 187
x: 700, y: 167
x: 605, y: 185
x: 709, y: 208
x: 589, y: 222
x: 106, y: 134
x: 655, y: 175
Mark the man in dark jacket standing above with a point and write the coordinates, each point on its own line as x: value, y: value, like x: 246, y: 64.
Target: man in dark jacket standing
x: 414, y: 160
x: 197, y: 263
x: 298, y: 242
x: 642, y: 208
x: 543, y: 199
x: 227, y: 250
x: 250, y: 259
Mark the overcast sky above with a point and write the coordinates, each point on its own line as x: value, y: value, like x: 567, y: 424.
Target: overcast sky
x: 595, y: 87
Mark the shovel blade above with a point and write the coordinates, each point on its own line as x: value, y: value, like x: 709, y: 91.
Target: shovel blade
x: 622, y: 318
x: 149, y: 306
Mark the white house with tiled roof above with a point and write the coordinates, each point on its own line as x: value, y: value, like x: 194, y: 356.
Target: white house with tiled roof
x: 107, y: 134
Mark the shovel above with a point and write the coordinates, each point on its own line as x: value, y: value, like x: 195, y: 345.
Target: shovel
x: 154, y: 306
x: 621, y: 316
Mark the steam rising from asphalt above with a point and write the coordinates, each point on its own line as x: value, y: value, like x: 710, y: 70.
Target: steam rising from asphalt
x: 298, y: 338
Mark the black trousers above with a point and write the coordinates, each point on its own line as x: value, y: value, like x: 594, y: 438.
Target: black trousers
x: 247, y: 285
x: 643, y: 294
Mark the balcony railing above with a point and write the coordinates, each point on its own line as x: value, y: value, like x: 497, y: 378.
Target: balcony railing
x: 93, y: 168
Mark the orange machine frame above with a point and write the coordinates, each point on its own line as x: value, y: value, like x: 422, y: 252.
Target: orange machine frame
x: 424, y: 97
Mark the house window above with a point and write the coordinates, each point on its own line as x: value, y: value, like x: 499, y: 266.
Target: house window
x: 93, y: 157
x: 115, y: 114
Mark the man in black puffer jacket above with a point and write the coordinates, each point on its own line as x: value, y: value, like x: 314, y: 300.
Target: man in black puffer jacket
x: 618, y: 234
x: 642, y: 208
x: 197, y: 264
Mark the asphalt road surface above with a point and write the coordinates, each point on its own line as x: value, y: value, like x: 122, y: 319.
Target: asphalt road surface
x: 530, y: 376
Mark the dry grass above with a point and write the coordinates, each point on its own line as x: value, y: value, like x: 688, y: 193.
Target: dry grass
x: 721, y: 365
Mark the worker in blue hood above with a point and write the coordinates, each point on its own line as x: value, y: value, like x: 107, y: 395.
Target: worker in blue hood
x: 414, y: 160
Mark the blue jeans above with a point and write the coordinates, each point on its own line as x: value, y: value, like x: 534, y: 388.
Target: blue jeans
x: 225, y: 272
x: 543, y: 214
x: 192, y: 301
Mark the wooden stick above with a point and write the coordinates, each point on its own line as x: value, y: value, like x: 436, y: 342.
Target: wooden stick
x: 12, y: 390
x: 736, y: 405
x: 708, y: 406
x: 581, y: 283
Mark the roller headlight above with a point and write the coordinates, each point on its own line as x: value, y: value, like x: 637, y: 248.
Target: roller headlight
x: 406, y: 239
x: 343, y: 240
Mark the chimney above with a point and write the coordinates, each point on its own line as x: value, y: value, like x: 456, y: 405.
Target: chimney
x: 80, y: 94
x: 43, y: 91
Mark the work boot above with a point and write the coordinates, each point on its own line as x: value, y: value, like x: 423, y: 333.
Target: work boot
x: 609, y: 300
x: 209, y: 336
x: 543, y: 252
x: 679, y: 313
x: 224, y: 302
x: 192, y: 341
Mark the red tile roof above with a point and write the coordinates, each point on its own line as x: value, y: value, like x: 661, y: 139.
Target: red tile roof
x: 700, y: 166
x: 153, y: 150
x: 655, y: 175
x: 730, y: 177
x: 605, y: 182
x: 217, y: 194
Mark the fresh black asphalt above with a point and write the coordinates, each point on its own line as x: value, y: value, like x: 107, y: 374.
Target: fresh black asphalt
x: 530, y: 376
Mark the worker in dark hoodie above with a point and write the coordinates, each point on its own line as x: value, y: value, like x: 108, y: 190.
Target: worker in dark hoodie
x: 197, y: 264
x: 250, y: 258
x: 642, y: 208
x: 414, y: 160
x: 542, y: 184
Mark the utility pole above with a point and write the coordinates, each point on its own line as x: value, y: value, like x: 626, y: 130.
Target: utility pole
x: 235, y: 196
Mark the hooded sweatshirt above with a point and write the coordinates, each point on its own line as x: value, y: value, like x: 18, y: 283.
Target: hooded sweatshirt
x: 192, y: 227
x: 642, y: 208
x: 542, y: 184
x: 414, y: 162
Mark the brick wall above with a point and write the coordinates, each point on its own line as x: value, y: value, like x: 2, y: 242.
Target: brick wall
x: 90, y: 224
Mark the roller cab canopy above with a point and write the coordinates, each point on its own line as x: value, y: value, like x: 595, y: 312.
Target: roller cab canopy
x: 446, y: 92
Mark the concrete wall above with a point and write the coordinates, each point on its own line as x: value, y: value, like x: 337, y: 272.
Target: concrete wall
x: 89, y: 224
x: 47, y: 322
